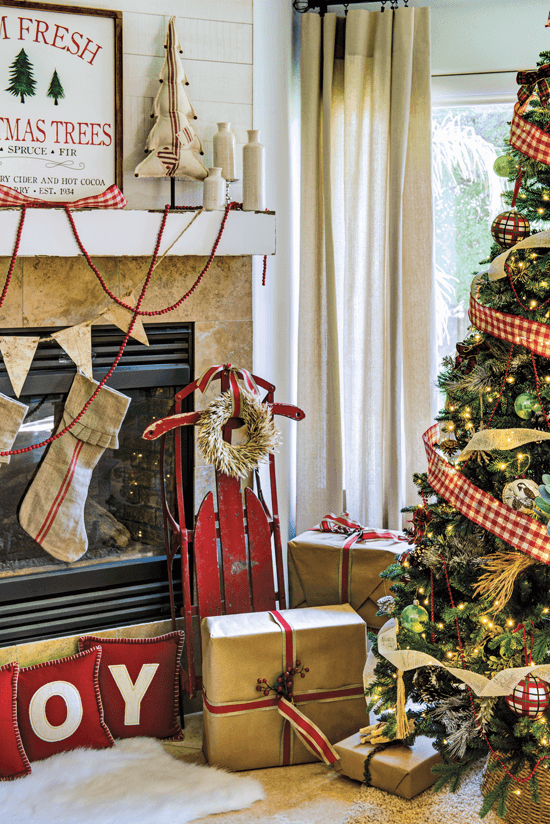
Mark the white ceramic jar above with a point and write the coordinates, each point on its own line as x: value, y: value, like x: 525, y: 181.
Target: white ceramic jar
x: 213, y: 190
x: 224, y: 151
x: 253, y: 173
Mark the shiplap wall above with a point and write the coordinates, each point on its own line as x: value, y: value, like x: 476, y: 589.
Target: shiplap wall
x: 216, y: 38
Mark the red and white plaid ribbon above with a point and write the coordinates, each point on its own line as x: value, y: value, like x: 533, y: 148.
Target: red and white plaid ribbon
x: 344, y: 525
x: 236, y: 373
x: 111, y: 198
x: 513, y: 328
x: 515, y: 528
x: 528, y: 138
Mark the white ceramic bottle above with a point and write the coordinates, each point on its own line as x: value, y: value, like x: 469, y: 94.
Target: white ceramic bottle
x: 253, y: 173
x: 213, y: 190
x: 224, y: 151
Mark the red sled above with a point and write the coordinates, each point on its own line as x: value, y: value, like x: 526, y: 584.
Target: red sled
x: 233, y: 558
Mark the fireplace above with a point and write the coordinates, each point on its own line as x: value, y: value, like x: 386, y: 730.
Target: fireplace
x: 121, y: 580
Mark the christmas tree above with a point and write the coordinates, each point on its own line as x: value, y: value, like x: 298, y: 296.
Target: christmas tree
x: 467, y: 642
x: 22, y: 82
x: 172, y: 143
x: 55, y: 89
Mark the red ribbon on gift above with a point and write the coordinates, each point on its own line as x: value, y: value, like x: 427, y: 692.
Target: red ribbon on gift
x: 310, y: 735
x: 236, y: 373
x: 111, y: 198
x: 345, y: 525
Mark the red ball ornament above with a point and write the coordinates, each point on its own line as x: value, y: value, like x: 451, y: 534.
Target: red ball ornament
x: 530, y: 698
x: 509, y: 228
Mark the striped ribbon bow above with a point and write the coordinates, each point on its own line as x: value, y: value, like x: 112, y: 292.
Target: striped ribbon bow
x: 345, y: 525
x: 111, y: 198
x: 532, y: 81
x: 236, y: 373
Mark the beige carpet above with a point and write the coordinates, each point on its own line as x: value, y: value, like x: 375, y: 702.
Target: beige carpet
x: 315, y: 794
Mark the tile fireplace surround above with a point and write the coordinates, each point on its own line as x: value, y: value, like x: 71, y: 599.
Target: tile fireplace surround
x: 51, y: 291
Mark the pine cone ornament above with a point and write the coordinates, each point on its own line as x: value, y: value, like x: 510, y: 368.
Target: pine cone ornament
x: 538, y: 421
x: 432, y: 685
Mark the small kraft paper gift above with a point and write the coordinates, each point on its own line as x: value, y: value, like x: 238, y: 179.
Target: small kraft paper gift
x: 340, y: 562
x: 398, y: 769
x: 280, y: 688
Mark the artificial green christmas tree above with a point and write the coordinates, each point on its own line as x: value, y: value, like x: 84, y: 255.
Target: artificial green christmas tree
x: 468, y: 635
x: 55, y: 89
x: 22, y: 82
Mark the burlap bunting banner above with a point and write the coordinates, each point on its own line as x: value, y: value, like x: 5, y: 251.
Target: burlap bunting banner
x: 77, y: 343
x: 18, y: 352
x: 121, y: 317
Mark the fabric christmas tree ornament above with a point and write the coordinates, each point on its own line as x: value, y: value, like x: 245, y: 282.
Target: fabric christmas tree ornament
x: 12, y: 413
x: 52, y: 511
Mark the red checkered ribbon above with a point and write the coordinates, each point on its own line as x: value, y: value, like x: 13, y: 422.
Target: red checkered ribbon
x: 529, y: 333
x: 515, y: 528
x: 311, y: 736
x: 345, y: 525
x: 111, y: 198
x: 528, y: 139
x: 235, y: 374
x: 534, y: 81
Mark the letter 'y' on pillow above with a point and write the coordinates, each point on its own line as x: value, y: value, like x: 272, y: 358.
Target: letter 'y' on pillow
x: 139, y: 682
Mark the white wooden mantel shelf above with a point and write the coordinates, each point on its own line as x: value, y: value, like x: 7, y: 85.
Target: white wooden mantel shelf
x: 114, y: 233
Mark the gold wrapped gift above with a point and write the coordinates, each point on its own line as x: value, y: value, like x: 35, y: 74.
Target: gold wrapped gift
x: 400, y: 770
x: 318, y: 573
x: 245, y: 729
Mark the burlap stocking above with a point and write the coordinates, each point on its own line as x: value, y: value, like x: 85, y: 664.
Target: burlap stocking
x: 52, y: 511
x: 12, y: 413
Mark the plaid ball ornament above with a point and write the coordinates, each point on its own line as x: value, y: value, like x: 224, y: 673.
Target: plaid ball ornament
x: 509, y: 228
x: 531, y: 697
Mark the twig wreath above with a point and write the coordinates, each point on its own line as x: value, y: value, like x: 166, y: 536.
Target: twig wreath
x: 237, y: 460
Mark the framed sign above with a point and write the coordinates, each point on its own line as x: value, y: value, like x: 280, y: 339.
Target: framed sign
x: 60, y: 99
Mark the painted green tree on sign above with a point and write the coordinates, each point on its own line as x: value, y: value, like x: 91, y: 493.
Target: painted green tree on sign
x: 22, y: 82
x: 55, y: 90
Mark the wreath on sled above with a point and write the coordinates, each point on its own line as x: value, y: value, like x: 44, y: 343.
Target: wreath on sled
x: 238, y: 460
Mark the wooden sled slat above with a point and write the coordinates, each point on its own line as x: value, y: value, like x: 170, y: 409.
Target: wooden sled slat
x: 259, y: 550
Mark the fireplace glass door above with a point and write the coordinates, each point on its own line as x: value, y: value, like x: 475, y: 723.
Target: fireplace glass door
x: 121, y: 577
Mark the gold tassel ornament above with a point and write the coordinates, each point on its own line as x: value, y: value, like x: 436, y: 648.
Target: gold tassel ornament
x: 502, y: 569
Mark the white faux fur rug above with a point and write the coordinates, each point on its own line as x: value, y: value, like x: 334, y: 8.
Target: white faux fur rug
x: 135, y: 782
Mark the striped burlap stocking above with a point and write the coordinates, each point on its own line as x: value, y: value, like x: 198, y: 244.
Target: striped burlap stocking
x: 52, y: 511
x: 12, y: 413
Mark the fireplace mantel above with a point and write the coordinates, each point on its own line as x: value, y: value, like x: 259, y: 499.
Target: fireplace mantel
x: 113, y: 233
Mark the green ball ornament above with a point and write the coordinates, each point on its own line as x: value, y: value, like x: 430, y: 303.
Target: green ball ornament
x: 414, y: 618
x: 503, y: 165
x: 525, y: 404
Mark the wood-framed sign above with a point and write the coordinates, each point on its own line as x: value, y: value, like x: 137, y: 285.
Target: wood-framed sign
x: 60, y: 99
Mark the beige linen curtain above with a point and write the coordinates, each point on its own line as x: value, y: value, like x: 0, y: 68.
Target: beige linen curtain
x: 366, y: 350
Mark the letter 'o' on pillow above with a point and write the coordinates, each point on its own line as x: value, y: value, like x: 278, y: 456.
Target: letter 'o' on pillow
x: 13, y: 758
x: 139, y: 683
x: 59, y: 706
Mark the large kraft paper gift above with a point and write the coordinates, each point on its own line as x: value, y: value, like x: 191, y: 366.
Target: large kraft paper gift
x: 322, y: 570
x: 400, y: 770
x: 245, y: 729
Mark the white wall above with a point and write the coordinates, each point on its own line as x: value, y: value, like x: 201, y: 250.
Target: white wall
x: 216, y: 38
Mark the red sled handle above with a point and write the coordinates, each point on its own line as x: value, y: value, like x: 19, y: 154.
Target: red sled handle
x: 163, y: 425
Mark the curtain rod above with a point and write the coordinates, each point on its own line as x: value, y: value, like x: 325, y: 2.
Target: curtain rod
x: 303, y: 6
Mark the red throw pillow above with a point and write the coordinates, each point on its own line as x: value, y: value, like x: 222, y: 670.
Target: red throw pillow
x: 139, y: 683
x: 59, y: 706
x: 13, y: 758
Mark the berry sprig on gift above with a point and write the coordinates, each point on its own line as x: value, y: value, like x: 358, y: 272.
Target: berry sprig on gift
x: 285, y: 681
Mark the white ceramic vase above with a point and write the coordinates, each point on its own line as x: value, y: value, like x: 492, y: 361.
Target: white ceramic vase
x: 224, y: 151
x: 253, y: 173
x: 213, y: 190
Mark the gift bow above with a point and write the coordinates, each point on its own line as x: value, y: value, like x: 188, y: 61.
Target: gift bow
x: 111, y: 198
x: 235, y: 373
x: 534, y: 80
x: 347, y: 526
